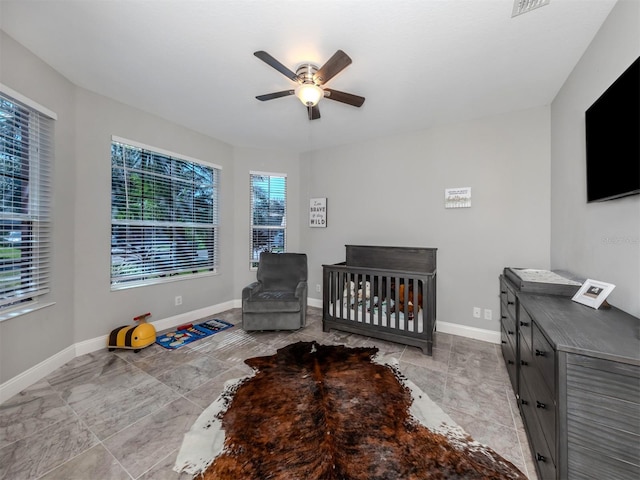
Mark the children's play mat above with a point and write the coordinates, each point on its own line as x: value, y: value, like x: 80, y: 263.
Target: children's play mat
x: 190, y: 333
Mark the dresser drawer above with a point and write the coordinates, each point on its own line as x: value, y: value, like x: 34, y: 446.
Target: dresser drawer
x: 525, y: 326
x: 603, y: 414
x: 503, y: 293
x: 541, y: 399
x: 544, y: 358
x: 585, y: 464
x: 511, y: 303
x: 509, y: 324
x: 540, y: 451
x: 545, y: 408
x: 604, y: 377
x: 509, y: 354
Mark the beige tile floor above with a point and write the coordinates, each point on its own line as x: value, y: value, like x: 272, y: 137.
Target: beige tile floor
x: 122, y: 415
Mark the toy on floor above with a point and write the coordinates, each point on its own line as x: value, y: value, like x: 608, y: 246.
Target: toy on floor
x: 409, y: 307
x: 189, y: 332
x: 133, y: 337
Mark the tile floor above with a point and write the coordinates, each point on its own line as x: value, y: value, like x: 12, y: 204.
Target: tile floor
x: 122, y: 415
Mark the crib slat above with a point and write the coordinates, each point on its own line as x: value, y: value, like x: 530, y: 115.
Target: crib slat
x: 379, y: 280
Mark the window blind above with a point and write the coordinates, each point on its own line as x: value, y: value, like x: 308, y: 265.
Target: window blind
x: 164, y: 215
x: 268, y: 214
x: 26, y: 154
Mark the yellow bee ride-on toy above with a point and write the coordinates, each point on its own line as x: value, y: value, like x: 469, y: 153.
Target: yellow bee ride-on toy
x: 133, y: 337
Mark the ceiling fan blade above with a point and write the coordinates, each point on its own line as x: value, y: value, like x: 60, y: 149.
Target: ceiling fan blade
x: 269, y: 60
x: 334, y: 65
x: 271, y: 96
x: 348, y: 98
x: 314, y: 112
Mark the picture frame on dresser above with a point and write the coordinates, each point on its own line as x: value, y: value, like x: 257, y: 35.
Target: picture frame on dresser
x: 593, y: 293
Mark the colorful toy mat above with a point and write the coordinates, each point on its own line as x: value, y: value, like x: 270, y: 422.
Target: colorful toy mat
x: 187, y: 334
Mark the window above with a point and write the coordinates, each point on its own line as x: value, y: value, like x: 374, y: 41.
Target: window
x: 268, y: 214
x: 164, y: 215
x: 26, y: 149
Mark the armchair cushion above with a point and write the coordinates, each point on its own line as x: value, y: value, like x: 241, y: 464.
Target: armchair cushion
x: 282, y: 271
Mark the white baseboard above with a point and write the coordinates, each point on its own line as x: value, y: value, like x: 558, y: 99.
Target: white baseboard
x: 314, y: 302
x: 469, y: 332
x: 44, y: 368
x: 27, y: 378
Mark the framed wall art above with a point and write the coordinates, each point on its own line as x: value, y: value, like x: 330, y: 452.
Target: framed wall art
x: 593, y: 293
x: 457, y: 197
x: 318, y: 212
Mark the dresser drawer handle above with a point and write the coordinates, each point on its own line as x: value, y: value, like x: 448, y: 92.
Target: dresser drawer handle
x: 540, y: 353
x: 509, y: 332
x: 524, y: 324
x: 503, y: 341
x: 541, y: 458
x: 511, y: 303
x: 540, y: 405
x: 503, y: 292
x: 503, y: 316
x: 510, y: 362
x: 523, y: 401
x: 523, y: 363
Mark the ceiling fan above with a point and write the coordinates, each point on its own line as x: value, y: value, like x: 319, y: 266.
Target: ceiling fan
x: 311, y: 80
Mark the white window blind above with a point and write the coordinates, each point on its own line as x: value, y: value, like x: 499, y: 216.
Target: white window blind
x: 164, y: 215
x: 268, y: 214
x: 26, y: 154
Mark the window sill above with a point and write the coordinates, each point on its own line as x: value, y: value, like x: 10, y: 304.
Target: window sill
x: 23, y: 309
x: 157, y: 281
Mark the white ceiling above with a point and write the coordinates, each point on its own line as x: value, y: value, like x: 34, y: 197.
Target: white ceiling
x: 419, y: 63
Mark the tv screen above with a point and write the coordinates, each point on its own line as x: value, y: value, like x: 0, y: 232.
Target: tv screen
x: 613, y: 139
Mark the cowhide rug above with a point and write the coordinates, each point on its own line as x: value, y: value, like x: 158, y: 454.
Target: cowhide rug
x: 316, y: 412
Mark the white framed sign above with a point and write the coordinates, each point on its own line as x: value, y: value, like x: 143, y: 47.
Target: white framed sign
x: 457, y: 197
x: 318, y: 212
x: 593, y: 293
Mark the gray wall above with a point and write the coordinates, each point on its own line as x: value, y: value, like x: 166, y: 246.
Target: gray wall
x: 391, y: 192
x: 598, y: 240
x: 97, y: 308
x: 526, y: 170
x: 30, y: 339
x: 246, y: 160
x: 85, y: 307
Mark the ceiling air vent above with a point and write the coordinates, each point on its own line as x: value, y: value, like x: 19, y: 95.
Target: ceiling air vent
x: 524, y: 6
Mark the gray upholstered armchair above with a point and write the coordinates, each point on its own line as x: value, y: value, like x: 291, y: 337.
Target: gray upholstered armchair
x: 278, y: 299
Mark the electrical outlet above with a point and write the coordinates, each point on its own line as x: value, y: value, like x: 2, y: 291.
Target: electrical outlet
x: 318, y: 288
x: 488, y: 314
x: 178, y: 300
x: 477, y: 311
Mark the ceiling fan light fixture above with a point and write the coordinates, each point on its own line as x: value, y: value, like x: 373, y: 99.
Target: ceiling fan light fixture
x: 309, y: 94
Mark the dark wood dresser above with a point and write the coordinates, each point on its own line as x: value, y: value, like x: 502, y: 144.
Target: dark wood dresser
x: 576, y: 374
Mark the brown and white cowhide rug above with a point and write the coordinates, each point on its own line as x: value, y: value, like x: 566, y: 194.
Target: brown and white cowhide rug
x: 316, y: 412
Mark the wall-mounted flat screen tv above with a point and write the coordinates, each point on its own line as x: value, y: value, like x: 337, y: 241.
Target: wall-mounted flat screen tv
x: 613, y: 139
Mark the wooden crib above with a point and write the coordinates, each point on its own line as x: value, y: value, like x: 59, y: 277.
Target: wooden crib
x: 383, y: 292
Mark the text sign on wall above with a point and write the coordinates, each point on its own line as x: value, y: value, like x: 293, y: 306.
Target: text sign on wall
x: 318, y: 212
x: 457, y: 197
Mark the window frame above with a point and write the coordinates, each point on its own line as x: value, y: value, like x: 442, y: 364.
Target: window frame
x: 173, y: 229
x: 253, y: 261
x: 35, y: 238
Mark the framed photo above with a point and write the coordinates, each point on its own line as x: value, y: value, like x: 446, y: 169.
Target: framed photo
x: 593, y: 293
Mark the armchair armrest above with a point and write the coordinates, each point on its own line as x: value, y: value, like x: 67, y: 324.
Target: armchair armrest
x: 251, y: 289
x: 301, y: 290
